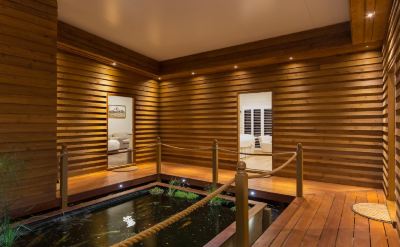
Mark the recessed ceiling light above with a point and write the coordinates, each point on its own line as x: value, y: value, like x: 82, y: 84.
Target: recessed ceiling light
x: 193, y: 73
x: 235, y: 67
x: 114, y: 64
x: 290, y: 58
x: 370, y: 14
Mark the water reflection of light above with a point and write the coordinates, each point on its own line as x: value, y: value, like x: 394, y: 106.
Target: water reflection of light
x: 129, y: 221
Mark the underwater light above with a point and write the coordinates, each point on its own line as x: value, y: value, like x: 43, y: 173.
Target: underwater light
x: 121, y: 186
x: 252, y: 193
x: 183, y: 180
x: 129, y: 221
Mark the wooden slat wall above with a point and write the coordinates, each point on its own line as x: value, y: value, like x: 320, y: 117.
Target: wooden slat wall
x: 391, y: 60
x: 28, y: 34
x: 333, y: 105
x: 82, y: 90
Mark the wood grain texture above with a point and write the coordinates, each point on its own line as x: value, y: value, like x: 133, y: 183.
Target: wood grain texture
x: 391, y: 61
x: 365, y: 29
x: 321, y: 42
x: 82, y: 41
x: 28, y: 35
x: 306, y: 220
x: 82, y: 90
x: 333, y: 105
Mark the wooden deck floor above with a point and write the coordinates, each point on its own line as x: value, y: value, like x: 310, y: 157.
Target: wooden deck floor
x: 322, y: 218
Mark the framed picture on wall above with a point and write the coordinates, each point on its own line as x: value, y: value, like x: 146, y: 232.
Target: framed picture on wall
x: 116, y: 111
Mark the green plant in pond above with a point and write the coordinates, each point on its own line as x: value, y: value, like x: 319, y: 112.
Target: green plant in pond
x: 10, y: 171
x: 186, y: 195
x: 216, y: 201
x: 8, y: 234
x: 156, y: 191
x: 233, y: 209
x: 171, y: 190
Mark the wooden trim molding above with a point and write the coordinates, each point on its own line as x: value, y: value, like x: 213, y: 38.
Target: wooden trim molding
x: 103, y: 59
x: 80, y: 42
x: 316, y: 43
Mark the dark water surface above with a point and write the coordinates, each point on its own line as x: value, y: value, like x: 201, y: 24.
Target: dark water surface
x: 104, y: 225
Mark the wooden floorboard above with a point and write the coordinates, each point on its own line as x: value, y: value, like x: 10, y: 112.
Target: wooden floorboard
x: 323, y: 217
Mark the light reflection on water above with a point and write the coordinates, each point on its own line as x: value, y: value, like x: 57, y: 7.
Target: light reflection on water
x: 106, y: 226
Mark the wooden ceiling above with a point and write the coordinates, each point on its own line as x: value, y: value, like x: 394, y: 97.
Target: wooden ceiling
x: 364, y: 29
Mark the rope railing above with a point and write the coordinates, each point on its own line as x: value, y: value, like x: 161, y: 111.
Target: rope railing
x: 186, y: 149
x: 178, y: 216
x: 240, y: 180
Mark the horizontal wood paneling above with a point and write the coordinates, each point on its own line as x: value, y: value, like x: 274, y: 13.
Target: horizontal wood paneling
x: 28, y: 34
x: 83, y: 85
x: 333, y: 105
x: 91, y: 43
x: 391, y: 61
x: 321, y: 42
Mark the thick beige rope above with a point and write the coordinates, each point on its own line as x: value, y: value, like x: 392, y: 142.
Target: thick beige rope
x: 178, y: 216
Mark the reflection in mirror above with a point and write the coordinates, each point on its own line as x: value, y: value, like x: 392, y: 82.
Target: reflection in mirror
x: 256, y: 129
x: 120, y: 131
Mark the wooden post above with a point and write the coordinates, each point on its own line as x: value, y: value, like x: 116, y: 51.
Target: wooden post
x: 299, y: 170
x: 64, y: 177
x: 215, y: 164
x: 242, y: 205
x: 158, y: 159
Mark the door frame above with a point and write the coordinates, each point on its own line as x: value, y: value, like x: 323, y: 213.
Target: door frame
x: 133, y: 126
x: 238, y: 119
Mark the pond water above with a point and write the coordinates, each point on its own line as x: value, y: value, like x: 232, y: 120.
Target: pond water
x: 108, y: 223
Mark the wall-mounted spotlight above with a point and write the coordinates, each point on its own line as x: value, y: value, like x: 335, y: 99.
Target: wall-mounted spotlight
x: 370, y: 15
x: 193, y: 73
x: 159, y: 78
x: 114, y: 64
x: 235, y: 67
x: 290, y: 58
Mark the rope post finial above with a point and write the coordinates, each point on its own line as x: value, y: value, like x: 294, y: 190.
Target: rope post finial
x: 215, y: 164
x: 299, y: 170
x: 158, y: 157
x: 64, y: 176
x: 242, y: 205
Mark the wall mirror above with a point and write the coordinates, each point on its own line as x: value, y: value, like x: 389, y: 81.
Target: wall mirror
x: 120, y: 141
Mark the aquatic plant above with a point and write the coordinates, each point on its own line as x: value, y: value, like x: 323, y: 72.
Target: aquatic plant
x: 8, y: 234
x: 186, y: 195
x: 171, y: 189
x: 233, y: 209
x: 156, y: 191
x: 10, y: 169
x: 216, y: 201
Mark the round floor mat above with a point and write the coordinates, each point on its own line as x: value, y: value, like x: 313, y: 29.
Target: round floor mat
x: 374, y: 211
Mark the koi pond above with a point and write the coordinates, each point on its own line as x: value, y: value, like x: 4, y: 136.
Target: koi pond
x: 111, y: 221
